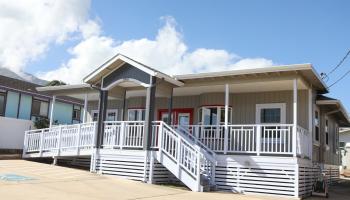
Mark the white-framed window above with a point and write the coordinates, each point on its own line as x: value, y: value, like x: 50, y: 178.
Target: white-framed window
x: 213, y: 115
x: 336, y: 139
x: 136, y: 114
x: 326, y: 132
x: 317, y: 126
x: 111, y: 115
x: 270, y: 113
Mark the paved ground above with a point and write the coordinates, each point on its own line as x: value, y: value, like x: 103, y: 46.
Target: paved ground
x: 340, y: 191
x: 54, y: 182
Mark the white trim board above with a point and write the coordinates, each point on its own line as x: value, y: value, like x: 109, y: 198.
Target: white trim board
x: 259, y: 107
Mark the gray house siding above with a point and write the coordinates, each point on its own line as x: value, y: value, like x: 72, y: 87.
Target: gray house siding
x: 244, y: 104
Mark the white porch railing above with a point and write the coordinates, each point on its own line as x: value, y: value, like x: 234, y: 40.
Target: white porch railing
x: 251, y: 139
x: 254, y: 139
x: 59, y: 139
x: 121, y: 134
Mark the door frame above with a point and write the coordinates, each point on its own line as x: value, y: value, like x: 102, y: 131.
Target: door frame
x: 175, y: 112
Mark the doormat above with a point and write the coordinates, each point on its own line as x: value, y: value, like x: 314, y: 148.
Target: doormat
x: 14, y: 177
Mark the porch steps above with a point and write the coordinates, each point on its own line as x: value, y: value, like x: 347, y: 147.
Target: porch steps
x: 187, y: 161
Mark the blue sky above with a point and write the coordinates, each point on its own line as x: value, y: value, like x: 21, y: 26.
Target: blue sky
x: 285, y: 32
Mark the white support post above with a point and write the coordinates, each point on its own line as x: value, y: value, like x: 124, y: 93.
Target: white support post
x: 160, y: 136
x: 52, y: 108
x: 85, y: 108
x: 310, y: 142
x: 296, y: 181
x: 78, y: 139
x: 258, y: 140
x: 122, y: 134
x: 59, y: 141
x: 199, y: 189
x: 41, y: 142
x: 151, y: 168
x: 227, y: 94
x: 295, y: 115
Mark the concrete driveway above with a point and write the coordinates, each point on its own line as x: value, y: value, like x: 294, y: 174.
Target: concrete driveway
x: 53, y: 182
x: 48, y: 182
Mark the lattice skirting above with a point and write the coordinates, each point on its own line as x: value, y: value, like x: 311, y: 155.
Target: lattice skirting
x: 133, y: 165
x: 263, y: 179
x: 308, y: 174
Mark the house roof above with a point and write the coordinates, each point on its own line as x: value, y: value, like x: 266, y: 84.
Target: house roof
x: 117, y: 61
x: 8, y: 83
x: 306, y: 70
x: 334, y: 106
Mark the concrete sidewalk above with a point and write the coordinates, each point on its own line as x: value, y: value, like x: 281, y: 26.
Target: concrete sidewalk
x: 54, y: 182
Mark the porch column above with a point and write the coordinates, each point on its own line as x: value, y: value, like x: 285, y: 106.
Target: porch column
x: 227, y: 95
x: 311, y: 119
x: 170, y: 106
x: 124, y: 110
x: 52, y: 108
x: 85, y: 107
x: 149, y: 114
x: 102, y: 109
x: 295, y: 115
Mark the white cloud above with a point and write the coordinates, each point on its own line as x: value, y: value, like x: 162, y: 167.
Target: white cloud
x: 167, y: 53
x: 28, y: 28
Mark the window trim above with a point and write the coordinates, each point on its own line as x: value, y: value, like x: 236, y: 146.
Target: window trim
x: 108, y: 110
x: 218, y: 107
x: 316, y: 142
x: 326, y: 132
x: 41, y: 100
x: 138, y: 110
x: 259, y: 107
x: 4, y: 94
x: 79, y: 114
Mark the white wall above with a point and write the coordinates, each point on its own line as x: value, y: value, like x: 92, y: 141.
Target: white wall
x: 12, y: 132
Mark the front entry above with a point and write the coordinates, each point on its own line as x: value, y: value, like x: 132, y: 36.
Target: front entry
x: 180, y: 116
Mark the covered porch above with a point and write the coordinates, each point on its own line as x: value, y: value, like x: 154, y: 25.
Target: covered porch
x: 278, y: 127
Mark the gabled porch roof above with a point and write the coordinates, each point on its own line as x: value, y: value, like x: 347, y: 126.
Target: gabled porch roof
x: 118, y: 61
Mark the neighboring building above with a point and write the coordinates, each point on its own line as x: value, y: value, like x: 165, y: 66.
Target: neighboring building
x: 344, y: 139
x: 267, y: 130
x: 21, y: 104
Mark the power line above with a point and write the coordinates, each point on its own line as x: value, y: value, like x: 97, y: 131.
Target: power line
x: 348, y: 72
x: 339, y: 64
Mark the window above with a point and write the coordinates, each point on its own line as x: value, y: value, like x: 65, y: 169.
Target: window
x: 317, y: 126
x: 336, y: 139
x: 40, y: 108
x: 136, y: 114
x: 274, y: 113
x: 111, y: 115
x: 2, y: 103
x: 213, y: 115
x: 94, y: 115
x: 326, y: 132
x: 76, y: 113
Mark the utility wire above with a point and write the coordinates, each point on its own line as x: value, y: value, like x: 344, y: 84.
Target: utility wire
x: 348, y: 72
x: 338, y: 65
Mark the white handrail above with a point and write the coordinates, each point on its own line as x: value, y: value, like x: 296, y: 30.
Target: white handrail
x: 60, y: 138
x: 187, y: 156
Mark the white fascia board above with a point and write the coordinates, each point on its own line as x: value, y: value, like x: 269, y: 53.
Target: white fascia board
x: 62, y: 87
x: 246, y: 71
x: 335, y: 102
x: 169, y: 79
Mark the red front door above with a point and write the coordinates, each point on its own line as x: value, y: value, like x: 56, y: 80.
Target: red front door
x: 180, y: 116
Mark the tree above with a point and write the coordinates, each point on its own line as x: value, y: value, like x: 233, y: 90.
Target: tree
x: 55, y: 83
